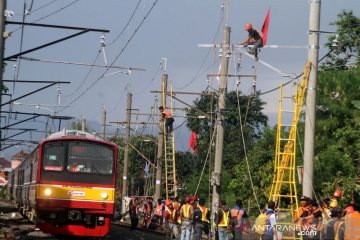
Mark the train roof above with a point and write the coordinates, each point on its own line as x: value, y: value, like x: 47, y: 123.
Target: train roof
x: 73, y: 133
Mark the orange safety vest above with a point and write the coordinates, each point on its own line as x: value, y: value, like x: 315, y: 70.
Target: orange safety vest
x: 148, y: 208
x: 237, y: 213
x: 158, y: 210
x: 172, y: 214
x: 186, y: 211
x: 225, y: 219
x: 176, y: 206
x: 204, y: 213
x: 167, y: 113
x: 352, y: 226
x: 74, y: 169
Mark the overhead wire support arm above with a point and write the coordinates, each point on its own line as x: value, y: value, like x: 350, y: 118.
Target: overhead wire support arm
x: 20, y: 122
x: 25, y: 95
x: 81, y: 64
x: 46, y: 45
x: 14, y: 135
x: 57, y: 26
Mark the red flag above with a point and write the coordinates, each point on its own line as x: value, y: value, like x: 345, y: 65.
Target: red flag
x: 192, y: 141
x: 265, y: 27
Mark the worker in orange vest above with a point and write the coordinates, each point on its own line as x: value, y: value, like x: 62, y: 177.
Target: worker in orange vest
x: 254, y: 39
x: 147, y: 211
x: 352, y: 222
x: 186, y: 215
x: 222, y: 220
x: 171, y: 218
x: 238, y: 214
x: 304, y: 216
x: 201, y: 220
x: 159, y: 211
x: 74, y: 167
x: 169, y: 120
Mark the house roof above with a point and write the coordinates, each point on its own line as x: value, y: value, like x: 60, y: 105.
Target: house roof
x: 4, y: 163
x: 20, y: 155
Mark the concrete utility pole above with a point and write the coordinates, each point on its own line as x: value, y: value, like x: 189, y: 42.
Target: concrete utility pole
x: 126, y: 152
x: 103, y: 123
x: 83, y: 124
x: 2, y: 46
x: 313, y: 56
x: 160, y: 153
x: 216, y: 177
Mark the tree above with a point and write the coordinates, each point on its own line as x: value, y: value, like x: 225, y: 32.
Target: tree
x: 253, y: 123
x: 347, y: 42
x: 337, y: 150
x: 138, y: 182
x: 261, y: 164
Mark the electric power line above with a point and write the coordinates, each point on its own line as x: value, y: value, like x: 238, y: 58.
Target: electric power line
x: 127, y: 24
x: 117, y: 57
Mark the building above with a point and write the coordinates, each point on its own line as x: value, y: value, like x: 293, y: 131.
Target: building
x: 4, y: 163
x: 18, y: 158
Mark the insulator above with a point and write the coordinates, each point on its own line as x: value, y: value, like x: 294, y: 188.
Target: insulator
x: 207, y: 81
x: 102, y: 40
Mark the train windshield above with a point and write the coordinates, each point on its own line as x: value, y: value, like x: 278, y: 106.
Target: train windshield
x: 78, y: 157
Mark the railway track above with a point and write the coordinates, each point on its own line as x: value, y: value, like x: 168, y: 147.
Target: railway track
x: 14, y: 226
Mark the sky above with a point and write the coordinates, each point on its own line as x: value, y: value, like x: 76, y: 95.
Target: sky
x: 142, y: 33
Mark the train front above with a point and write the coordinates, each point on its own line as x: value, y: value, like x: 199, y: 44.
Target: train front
x: 76, y: 186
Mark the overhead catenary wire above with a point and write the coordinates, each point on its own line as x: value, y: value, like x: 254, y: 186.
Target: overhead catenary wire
x: 245, y: 151
x: 50, y: 14
x: 43, y: 6
x: 116, y: 58
x: 86, y: 76
x: 126, y: 25
x: 206, y: 159
x: 288, y: 82
x: 152, y: 80
x: 207, y: 54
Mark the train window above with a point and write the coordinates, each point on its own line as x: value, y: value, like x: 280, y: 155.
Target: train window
x: 89, y: 157
x: 54, y: 156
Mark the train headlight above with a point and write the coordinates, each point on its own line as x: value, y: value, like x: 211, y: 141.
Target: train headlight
x: 104, y: 195
x: 47, y: 192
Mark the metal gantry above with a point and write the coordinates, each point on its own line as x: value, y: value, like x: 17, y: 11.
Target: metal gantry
x: 283, y: 189
x: 169, y: 151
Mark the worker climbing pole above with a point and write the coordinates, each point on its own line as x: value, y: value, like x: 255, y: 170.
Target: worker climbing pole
x: 283, y: 189
x: 169, y: 146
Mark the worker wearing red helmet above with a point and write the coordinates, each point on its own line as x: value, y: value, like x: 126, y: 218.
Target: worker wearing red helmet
x: 254, y: 39
x: 186, y: 215
x: 193, y: 203
x: 170, y: 217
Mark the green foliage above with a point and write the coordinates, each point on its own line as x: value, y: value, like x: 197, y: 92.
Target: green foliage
x: 261, y: 165
x: 253, y: 123
x: 337, y: 132
x: 147, y: 145
x: 259, y: 142
x: 78, y: 126
x: 348, y: 47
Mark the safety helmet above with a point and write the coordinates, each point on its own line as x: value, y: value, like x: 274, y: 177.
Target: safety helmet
x: 188, y: 199
x: 168, y: 202
x: 337, y: 193
x: 334, y: 203
x: 248, y: 26
x: 349, y: 209
x: 193, y: 198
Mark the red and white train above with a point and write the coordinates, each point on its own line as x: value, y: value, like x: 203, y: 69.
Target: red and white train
x: 67, y: 184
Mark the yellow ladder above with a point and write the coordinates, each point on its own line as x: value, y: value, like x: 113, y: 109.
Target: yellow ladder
x: 169, y: 156
x: 283, y: 189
